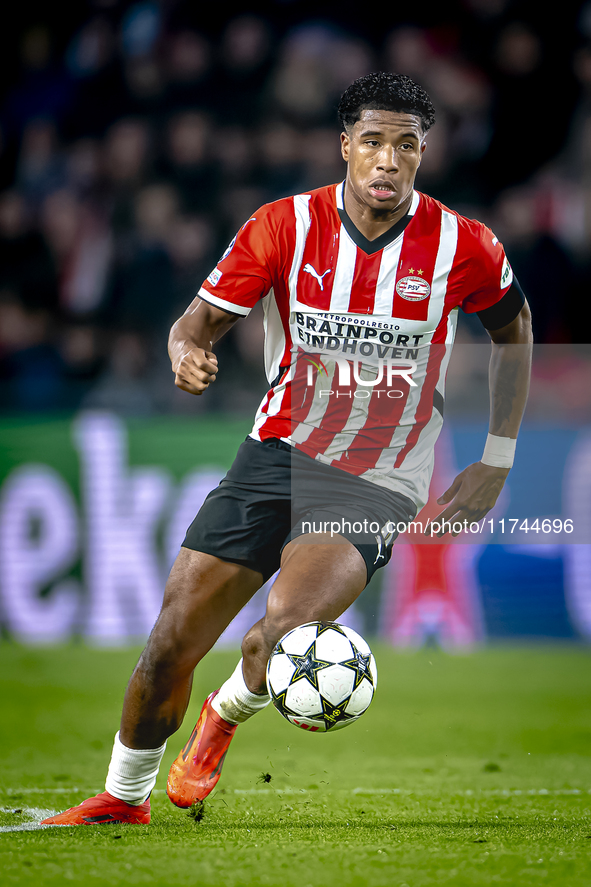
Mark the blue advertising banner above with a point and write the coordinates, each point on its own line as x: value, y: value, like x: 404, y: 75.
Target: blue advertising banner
x: 93, y: 510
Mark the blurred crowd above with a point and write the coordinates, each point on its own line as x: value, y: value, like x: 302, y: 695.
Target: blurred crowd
x: 135, y: 141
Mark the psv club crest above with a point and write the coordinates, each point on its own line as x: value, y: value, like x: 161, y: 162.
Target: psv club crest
x: 415, y: 289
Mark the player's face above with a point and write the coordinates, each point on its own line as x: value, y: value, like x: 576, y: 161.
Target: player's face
x: 383, y: 151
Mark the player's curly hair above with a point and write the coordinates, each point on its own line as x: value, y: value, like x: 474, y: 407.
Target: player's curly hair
x: 385, y: 92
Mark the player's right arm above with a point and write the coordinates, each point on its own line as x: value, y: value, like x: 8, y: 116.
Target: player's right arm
x: 190, y: 345
x: 242, y: 276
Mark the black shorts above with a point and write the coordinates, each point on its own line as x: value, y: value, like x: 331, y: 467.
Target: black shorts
x: 274, y: 493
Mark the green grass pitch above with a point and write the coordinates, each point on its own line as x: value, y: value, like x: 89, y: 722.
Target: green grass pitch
x: 466, y: 770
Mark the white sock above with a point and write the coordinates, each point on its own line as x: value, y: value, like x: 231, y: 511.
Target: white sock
x: 133, y: 771
x: 235, y: 703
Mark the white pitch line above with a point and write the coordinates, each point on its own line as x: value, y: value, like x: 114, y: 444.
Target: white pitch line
x: 479, y: 791
x: 33, y: 790
x: 360, y: 790
x: 34, y: 814
x: 409, y: 791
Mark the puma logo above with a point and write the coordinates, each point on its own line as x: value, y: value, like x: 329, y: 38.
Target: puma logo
x: 315, y: 274
x: 380, y: 554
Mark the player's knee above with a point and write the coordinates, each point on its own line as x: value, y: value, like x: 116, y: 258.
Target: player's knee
x: 253, y: 643
x: 263, y: 636
x: 277, y: 622
x: 168, y: 657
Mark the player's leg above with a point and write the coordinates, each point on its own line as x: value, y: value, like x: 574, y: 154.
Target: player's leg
x: 210, y: 739
x: 202, y: 596
x: 319, y: 579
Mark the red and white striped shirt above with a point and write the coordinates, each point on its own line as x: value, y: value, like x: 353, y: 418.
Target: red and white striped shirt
x: 358, y: 333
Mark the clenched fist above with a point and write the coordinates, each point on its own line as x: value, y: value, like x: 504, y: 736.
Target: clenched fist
x: 195, y: 370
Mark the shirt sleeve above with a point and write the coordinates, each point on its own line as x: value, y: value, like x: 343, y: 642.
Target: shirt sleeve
x: 244, y: 273
x: 489, y: 273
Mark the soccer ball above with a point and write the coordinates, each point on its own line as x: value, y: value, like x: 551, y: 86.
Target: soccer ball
x: 321, y: 676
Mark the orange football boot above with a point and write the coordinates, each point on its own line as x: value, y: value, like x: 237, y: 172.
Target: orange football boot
x: 198, y: 767
x: 103, y: 809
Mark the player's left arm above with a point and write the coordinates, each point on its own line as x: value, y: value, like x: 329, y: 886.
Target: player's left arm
x: 476, y: 489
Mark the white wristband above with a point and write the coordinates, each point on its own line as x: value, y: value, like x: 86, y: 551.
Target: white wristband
x: 499, y: 451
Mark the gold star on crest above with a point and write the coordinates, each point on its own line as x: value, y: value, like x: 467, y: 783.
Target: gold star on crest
x: 411, y: 270
x: 420, y: 271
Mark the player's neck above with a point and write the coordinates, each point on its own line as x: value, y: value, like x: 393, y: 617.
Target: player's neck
x: 370, y: 223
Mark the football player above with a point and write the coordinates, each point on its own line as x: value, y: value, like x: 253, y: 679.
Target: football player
x: 361, y: 283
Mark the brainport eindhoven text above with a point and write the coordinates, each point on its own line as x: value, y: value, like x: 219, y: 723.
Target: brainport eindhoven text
x: 335, y: 333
